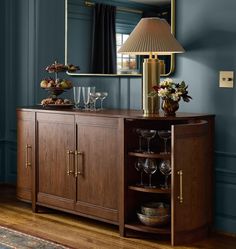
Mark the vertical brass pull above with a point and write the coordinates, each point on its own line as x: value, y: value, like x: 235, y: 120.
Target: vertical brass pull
x: 27, y: 161
x: 76, y: 163
x: 80, y: 165
x: 68, y: 162
x: 180, y: 197
x: 71, y: 171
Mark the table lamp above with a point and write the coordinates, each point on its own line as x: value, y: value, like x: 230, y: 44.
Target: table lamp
x: 153, y: 37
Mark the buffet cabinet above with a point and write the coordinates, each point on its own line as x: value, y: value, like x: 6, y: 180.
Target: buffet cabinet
x: 84, y: 163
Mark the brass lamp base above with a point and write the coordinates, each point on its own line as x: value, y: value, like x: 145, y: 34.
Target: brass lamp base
x: 151, y: 77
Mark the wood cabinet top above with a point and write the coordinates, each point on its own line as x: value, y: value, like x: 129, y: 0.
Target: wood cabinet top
x: 121, y: 113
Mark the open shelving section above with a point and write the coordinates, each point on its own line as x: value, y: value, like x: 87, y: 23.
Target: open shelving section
x: 187, y: 185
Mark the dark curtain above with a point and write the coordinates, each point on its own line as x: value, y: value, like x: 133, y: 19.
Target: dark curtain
x: 104, y: 39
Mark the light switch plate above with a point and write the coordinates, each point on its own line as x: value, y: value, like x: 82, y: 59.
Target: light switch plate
x: 226, y: 79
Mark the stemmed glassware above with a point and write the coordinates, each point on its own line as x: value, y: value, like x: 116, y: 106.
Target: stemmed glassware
x: 138, y: 131
x: 86, y: 96
x: 139, y: 166
x: 165, y: 169
x: 103, y: 95
x: 148, y: 134
x: 94, y: 96
x: 150, y: 167
x: 77, y: 94
x: 165, y: 135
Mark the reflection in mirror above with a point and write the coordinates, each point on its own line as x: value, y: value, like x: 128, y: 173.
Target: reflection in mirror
x: 93, y: 50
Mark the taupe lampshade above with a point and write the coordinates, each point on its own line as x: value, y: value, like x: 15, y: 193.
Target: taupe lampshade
x: 151, y: 35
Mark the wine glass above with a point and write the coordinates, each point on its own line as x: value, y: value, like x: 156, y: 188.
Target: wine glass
x: 139, y: 166
x: 86, y: 96
x: 165, y: 169
x: 165, y: 135
x: 77, y: 93
x: 150, y: 167
x: 93, y: 98
x: 138, y: 131
x: 103, y: 95
x: 148, y: 134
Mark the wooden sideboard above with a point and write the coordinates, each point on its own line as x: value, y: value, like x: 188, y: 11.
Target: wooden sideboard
x: 83, y: 163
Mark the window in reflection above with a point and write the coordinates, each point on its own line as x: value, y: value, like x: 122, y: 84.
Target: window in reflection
x: 126, y: 64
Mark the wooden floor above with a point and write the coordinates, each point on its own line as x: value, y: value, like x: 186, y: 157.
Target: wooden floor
x: 81, y: 233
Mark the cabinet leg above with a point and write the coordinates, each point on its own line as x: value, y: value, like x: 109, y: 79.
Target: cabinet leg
x: 122, y: 231
x: 35, y: 208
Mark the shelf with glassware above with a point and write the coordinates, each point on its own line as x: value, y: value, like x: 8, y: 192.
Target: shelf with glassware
x: 165, y: 165
x: 146, y: 158
x: 151, y: 161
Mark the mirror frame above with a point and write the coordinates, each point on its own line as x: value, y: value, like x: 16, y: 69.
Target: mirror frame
x: 172, y: 60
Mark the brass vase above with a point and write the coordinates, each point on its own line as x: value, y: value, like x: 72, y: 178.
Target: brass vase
x: 169, y: 107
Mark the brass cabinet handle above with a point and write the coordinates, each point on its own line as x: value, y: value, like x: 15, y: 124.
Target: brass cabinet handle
x: 73, y: 162
x: 27, y: 161
x: 68, y: 162
x: 180, y: 197
x: 76, y: 163
x: 78, y: 170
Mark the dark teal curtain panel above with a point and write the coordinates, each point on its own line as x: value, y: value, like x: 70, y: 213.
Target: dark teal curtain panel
x: 104, y: 39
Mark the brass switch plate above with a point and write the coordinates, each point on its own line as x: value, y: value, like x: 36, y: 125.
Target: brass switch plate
x: 226, y: 79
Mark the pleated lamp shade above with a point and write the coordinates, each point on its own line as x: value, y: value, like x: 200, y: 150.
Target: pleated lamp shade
x: 151, y: 35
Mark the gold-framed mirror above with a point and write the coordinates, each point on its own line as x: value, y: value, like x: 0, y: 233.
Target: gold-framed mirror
x: 79, y: 30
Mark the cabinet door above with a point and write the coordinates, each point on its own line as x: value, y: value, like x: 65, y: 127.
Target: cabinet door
x: 190, y: 162
x: 98, y: 166
x: 25, y: 153
x: 56, y: 137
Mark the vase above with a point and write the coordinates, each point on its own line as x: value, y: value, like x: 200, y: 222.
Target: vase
x: 169, y: 107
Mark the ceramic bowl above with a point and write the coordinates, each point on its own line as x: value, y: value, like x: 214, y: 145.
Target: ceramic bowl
x: 155, y: 209
x: 152, y: 220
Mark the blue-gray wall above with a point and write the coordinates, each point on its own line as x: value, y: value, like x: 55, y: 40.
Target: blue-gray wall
x: 34, y: 37
x: 207, y: 29
x: 2, y: 93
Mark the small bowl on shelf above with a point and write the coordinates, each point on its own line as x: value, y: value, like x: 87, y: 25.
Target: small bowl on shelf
x: 152, y: 220
x: 155, y: 209
x: 55, y: 91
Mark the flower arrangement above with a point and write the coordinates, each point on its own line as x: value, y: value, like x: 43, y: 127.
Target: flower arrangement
x: 171, y: 93
x: 168, y: 90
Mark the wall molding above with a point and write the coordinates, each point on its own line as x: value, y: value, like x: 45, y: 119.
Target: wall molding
x: 32, y: 51
x: 4, y: 140
x: 12, y: 142
x: 10, y: 162
x: 226, y: 171
x: 225, y: 154
x: 226, y: 216
x: 225, y: 224
x: 225, y: 188
x: 10, y: 52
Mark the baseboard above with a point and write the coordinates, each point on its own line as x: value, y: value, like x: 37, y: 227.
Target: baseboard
x: 7, y: 185
x: 221, y: 233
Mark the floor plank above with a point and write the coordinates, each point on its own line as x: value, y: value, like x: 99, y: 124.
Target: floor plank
x: 81, y: 233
